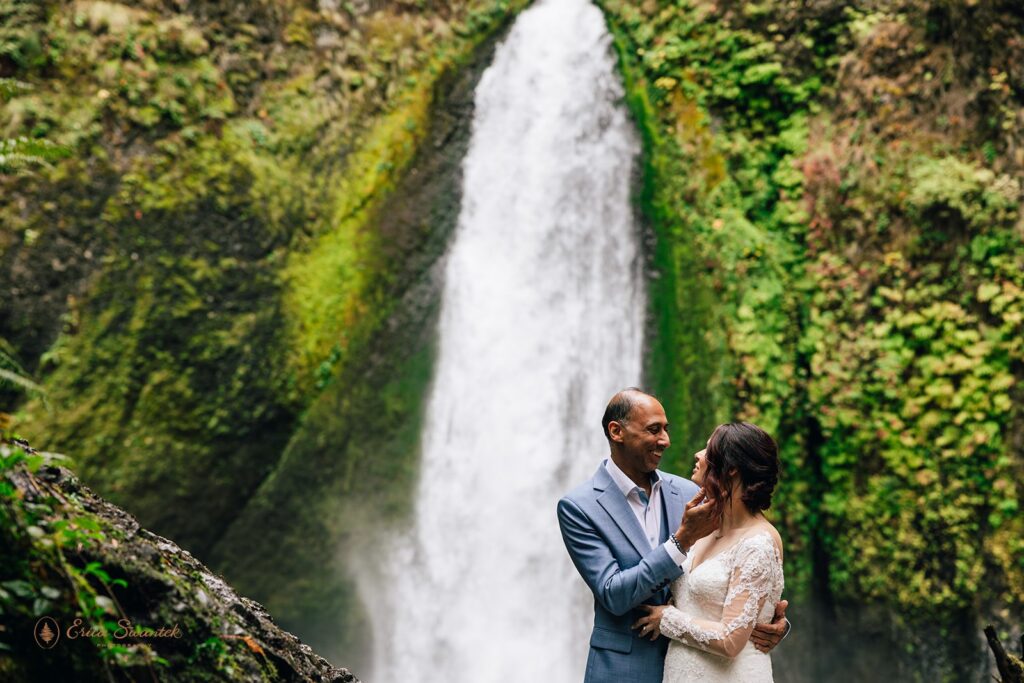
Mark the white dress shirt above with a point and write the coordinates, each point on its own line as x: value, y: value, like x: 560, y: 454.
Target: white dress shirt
x: 647, y: 511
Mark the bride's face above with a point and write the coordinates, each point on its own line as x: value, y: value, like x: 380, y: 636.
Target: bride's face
x: 700, y: 466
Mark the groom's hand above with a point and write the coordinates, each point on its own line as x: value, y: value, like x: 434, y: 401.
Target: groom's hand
x: 649, y: 625
x: 698, y: 521
x: 767, y: 636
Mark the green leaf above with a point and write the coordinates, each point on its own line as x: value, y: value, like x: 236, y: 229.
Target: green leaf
x: 988, y: 290
x: 41, y: 606
x: 7, y: 376
x: 98, y: 572
x: 87, y: 523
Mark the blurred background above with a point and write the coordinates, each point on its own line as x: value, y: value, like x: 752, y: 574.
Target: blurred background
x: 333, y: 294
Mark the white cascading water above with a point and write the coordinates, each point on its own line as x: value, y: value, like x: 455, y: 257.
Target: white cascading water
x: 541, y: 322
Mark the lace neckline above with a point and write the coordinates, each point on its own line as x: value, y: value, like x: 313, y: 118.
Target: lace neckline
x: 755, y: 534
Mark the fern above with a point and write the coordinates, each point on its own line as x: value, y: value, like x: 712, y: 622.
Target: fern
x: 8, y: 378
x: 19, y: 39
x: 19, y: 155
x: 11, y: 372
x: 10, y: 87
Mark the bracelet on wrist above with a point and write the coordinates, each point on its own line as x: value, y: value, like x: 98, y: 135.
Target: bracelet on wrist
x: 678, y: 545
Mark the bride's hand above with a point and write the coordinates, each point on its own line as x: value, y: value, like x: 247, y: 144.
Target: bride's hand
x: 650, y: 624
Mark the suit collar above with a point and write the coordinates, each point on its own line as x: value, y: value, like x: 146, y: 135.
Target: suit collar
x: 624, y: 483
x: 603, y: 479
x: 617, y: 507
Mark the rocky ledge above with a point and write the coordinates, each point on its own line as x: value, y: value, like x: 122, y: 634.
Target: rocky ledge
x: 88, y: 595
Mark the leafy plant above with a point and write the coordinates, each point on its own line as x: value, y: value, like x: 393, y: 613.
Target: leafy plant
x: 21, y: 154
x: 832, y: 267
x: 12, y: 374
x: 44, y: 543
x: 19, y: 38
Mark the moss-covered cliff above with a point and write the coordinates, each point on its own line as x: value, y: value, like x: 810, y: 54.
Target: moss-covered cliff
x: 836, y: 191
x: 348, y: 471
x: 227, y: 292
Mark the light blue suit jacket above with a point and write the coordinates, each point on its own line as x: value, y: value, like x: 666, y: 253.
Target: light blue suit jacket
x: 612, y: 554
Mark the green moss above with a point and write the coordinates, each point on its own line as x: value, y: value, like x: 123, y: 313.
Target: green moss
x: 327, y: 281
x: 723, y: 293
x: 683, y: 356
x: 834, y: 257
x: 829, y: 277
x: 349, y: 470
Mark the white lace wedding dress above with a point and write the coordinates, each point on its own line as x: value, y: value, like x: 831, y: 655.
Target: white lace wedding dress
x: 713, y: 612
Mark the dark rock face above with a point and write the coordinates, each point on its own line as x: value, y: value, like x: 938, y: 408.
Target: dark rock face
x: 216, y: 634
x: 357, y: 448
x: 180, y: 400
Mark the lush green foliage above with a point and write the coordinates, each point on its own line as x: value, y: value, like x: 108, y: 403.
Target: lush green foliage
x: 862, y: 278
x: 198, y: 251
x: 17, y: 155
x: 12, y: 373
x: 726, y: 124
x: 834, y: 188
x: 220, y: 264
x: 43, y: 570
x: 128, y: 604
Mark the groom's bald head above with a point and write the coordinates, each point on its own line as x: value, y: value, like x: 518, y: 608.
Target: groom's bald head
x: 621, y: 406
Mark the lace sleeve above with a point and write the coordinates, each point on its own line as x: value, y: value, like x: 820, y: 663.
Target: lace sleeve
x: 756, y: 576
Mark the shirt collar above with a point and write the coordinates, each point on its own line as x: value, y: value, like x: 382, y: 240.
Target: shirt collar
x: 624, y: 483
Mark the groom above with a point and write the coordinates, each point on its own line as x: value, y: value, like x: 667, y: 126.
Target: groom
x: 619, y: 529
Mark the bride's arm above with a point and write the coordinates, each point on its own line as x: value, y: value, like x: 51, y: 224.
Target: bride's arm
x: 756, y: 573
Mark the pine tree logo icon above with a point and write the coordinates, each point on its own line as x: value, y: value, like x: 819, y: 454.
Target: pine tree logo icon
x: 47, y: 632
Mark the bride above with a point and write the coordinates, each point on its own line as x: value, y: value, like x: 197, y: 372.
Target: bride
x: 732, y: 578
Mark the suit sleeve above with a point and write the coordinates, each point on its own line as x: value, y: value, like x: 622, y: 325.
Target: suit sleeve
x: 618, y: 590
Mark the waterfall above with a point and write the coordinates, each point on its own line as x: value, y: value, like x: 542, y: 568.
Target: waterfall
x: 541, y: 321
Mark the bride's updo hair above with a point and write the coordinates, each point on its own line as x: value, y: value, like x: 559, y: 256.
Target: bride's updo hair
x: 747, y: 451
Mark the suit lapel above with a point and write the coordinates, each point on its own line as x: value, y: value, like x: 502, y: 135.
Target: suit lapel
x: 674, y: 506
x: 617, y: 507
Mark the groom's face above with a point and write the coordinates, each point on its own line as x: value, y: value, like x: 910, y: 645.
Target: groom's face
x: 645, y: 435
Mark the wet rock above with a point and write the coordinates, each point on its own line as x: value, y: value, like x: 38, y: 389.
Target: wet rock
x: 152, y: 582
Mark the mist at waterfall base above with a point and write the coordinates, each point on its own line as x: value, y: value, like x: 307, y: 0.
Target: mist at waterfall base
x: 541, y: 321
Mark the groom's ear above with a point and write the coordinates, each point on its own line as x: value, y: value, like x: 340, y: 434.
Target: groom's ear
x: 615, y: 431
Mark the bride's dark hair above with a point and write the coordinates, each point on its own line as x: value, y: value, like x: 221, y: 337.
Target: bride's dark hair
x: 753, y: 454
